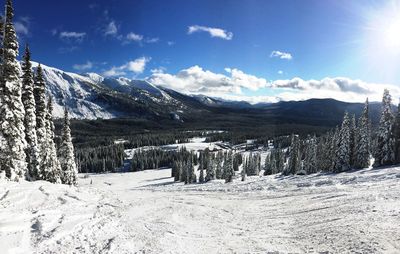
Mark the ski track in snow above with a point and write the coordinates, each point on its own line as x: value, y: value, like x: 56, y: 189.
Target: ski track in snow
x: 145, y: 212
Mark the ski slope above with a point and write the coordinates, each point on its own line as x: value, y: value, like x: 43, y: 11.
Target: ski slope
x: 146, y: 212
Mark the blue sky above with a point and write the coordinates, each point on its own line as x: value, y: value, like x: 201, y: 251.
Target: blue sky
x: 235, y: 44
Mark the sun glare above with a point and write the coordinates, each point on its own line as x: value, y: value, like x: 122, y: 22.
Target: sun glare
x: 391, y: 34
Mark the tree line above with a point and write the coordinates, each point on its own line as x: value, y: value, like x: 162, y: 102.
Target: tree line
x: 349, y: 146
x: 27, y: 146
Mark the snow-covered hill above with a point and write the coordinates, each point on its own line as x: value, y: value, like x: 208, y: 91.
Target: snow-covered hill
x: 146, y: 212
x: 92, y: 96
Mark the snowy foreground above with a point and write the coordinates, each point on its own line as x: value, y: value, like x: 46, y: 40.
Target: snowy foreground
x: 145, y: 212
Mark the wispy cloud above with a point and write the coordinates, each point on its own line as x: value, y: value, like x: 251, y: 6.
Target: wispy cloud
x: 22, y: 26
x: 111, y: 29
x: 138, y: 38
x: 281, y: 55
x: 134, y: 37
x: 77, y: 36
x: 136, y: 66
x: 152, y: 40
x: 214, y: 32
x: 83, y: 67
x: 65, y: 50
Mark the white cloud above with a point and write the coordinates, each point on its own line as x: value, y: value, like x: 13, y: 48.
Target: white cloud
x: 281, y: 55
x: 21, y: 28
x: 134, y: 37
x: 280, y: 72
x: 170, y: 43
x: 83, y: 67
x: 199, y: 81
x: 111, y: 29
x: 196, y: 80
x: 339, y: 88
x: 72, y: 35
x: 114, y: 71
x: 214, y: 32
x: 152, y: 40
x: 136, y: 66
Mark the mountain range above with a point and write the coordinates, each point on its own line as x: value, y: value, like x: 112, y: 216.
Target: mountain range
x: 92, y: 96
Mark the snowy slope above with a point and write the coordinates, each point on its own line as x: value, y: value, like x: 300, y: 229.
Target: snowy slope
x: 145, y: 212
x: 76, y: 91
x: 92, y: 96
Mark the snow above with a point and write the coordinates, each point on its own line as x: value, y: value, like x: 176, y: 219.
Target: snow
x: 145, y: 212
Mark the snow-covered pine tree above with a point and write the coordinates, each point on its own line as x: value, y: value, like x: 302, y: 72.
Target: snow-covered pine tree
x: 66, y: 154
x: 353, y: 140
x: 192, y: 175
x: 218, y: 165
x: 267, y: 165
x: 173, y: 169
x: 176, y: 170
x: 55, y: 172
x: 384, y: 152
x: 363, y: 139
x: 2, y: 140
x: 243, y: 173
x: 294, y: 159
x: 228, y: 168
x: 201, y: 176
x: 28, y: 100
x: 343, y: 151
x: 183, y: 166
x: 396, y: 133
x: 210, y: 171
x: 12, y: 113
x: 41, y: 113
x: 310, y: 157
x: 333, y: 149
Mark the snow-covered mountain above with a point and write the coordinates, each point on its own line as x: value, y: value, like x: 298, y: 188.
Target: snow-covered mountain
x: 92, y: 96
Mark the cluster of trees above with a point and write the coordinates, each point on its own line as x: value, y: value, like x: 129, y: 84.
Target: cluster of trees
x: 157, y: 158
x: 349, y: 146
x: 156, y: 139
x: 27, y: 147
x: 100, y: 159
x: 340, y: 150
x: 220, y: 165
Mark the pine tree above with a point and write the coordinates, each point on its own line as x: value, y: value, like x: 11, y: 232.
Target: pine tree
x: 353, y: 140
x: 267, y: 165
x: 384, y: 152
x: 41, y: 114
x: 12, y: 113
x: 210, y: 171
x: 66, y: 154
x: 333, y: 149
x: 310, y: 157
x: 343, y: 151
x: 363, y: 140
x: 218, y: 165
x: 294, y: 159
x: 55, y: 172
x: 397, y: 134
x: 201, y: 176
x: 28, y: 100
x: 243, y: 174
x: 178, y: 170
x: 228, y: 168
